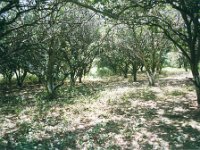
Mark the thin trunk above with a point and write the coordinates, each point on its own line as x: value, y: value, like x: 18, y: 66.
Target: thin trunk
x: 134, y: 72
x: 20, y: 77
x: 196, y: 80
x: 80, y: 75
x: 80, y: 79
x: 198, y: 95
x: 135, y: 76
x: 151, y: 77
x: 125, y: 75
x: 51, y: 90
x: 50, y: 79
x: 72, y: 79
x: 125, y: 71
x: 142, y: 68
x: 159, y: 69
x: 185, y: 66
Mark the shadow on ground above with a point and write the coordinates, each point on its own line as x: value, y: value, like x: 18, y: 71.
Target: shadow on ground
x: 141, y: 118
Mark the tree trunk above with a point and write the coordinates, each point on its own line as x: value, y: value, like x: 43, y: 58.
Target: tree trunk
x: 20, y: 77
x: 72, y: 79
x: 50, y: 78
x: 160, y: 68
x: 151, y: 77
x: 185, y: 66
x: 135, y: 77
x: 134, y: 72
x: 198, y: 95
x: 50, y: 87
x: 80, y: 79
x: 80, y: 75
x: 196, y: 81
x: 141, y: 68
x: 125, y: 71
x: 125, y: 75
x: 51, y: 90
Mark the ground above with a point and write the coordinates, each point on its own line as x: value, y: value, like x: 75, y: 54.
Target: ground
x: 111, y: 113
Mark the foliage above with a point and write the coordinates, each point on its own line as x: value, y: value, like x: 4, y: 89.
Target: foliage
x: 55, y: 40
x: 178, y: 20
x: 45, y: 46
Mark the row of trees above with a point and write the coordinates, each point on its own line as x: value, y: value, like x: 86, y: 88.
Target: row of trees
x: 178, y: 20
x: 63, y: 43
x: 56, y: 39
x: 133, y: 48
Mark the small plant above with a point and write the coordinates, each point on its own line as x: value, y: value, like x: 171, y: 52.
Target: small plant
x: 148, y: 95
x: 114, y: 147
x: 24, y: 128
x: 177, y: 93
x: 142, y: 94
x: 104, y: 72
x: 31, y: 79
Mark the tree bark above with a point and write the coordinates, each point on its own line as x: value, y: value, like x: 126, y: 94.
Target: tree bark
x: 80, y: 75
x: 51, y: 90
x: 125, y: 71
x: 196, y: 80
x: 50, y: 79
x: 134, y: 72
x: 135, y: 76
x: 198, y: 95
x: 80, y: 79
x: 141, y: 68
x: 72, y: 79
x: 151, y: 77
x: 20, y: 77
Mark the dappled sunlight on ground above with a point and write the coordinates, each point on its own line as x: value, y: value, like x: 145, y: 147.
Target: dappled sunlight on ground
x: 107, y: 114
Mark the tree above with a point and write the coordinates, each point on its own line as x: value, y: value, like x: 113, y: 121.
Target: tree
x: 49, y: 32
x: 113, y: 55
x: 12, y: 10
x: 81, y: 41
x: 146, y: 45
x: 17, y: 15
x: 16, y: 63
x: 183, y: 29
x: 61, y: 44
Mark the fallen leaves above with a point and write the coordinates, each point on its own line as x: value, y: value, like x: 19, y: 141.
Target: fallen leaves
x: 122, y: 116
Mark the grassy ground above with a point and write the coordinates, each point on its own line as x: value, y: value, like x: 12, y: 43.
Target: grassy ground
x: 113, y: 113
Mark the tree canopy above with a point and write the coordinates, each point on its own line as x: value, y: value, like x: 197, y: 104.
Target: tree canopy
x: 58, y: 39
